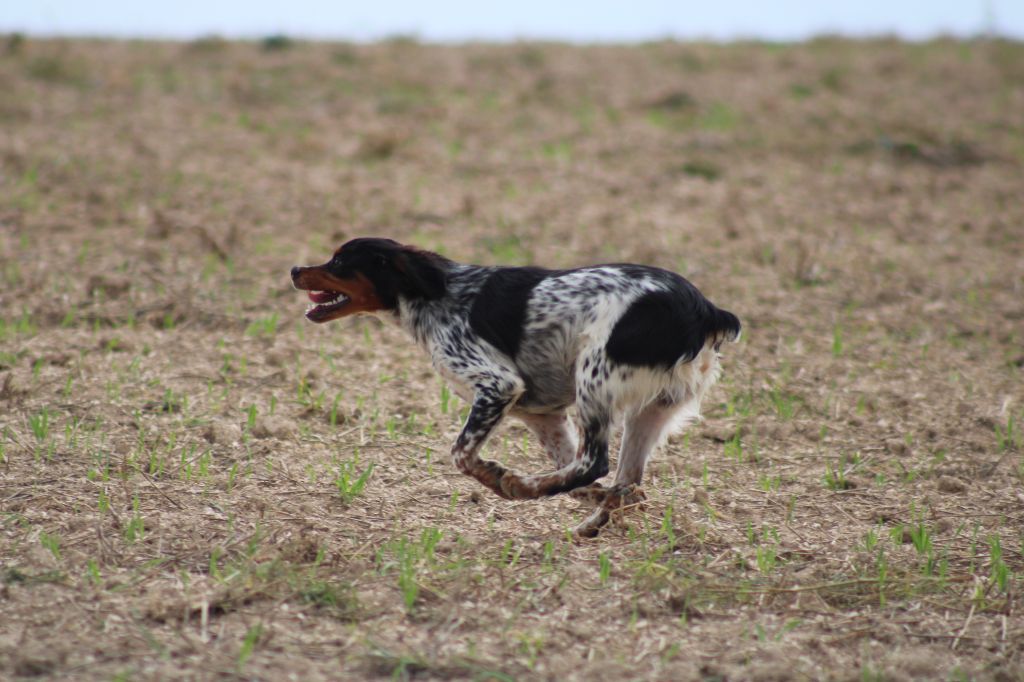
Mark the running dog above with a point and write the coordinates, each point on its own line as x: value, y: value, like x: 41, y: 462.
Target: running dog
x: 628, y: 341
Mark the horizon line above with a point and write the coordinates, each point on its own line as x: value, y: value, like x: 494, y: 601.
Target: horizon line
x: 415, y: 37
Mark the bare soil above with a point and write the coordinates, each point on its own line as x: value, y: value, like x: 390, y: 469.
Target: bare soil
x: 196, y: 483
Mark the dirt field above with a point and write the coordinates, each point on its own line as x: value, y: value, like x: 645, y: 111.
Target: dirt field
x: 197, y: 483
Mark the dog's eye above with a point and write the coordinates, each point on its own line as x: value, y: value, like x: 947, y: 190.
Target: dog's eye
x: 381, y: 259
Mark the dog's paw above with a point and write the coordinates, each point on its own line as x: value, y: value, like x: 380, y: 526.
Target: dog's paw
x: 612, y: 503
x: 632, y: 496
x: 616, y: 497
x: 593, y: 494
x: 593, y: 524
x: 516, y: 487
x: 490, y: 474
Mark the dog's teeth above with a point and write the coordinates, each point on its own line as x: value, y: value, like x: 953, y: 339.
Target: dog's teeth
x: 340, y: 298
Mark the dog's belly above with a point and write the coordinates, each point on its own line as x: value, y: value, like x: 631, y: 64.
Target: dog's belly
x: 550, y: 391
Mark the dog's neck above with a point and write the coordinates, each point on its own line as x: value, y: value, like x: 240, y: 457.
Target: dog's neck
x: 422, y: 319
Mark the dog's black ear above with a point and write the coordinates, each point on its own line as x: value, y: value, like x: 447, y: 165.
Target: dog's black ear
x: 424, y: 277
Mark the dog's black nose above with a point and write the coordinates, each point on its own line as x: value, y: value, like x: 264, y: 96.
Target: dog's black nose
x: 295, y: 271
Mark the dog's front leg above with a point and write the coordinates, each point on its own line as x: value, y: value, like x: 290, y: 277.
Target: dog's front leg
x: 491, y: 403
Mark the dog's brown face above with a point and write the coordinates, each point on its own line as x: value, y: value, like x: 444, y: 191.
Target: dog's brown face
x: 367, y: 275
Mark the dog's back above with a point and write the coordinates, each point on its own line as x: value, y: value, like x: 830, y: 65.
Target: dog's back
x: 641, y: 319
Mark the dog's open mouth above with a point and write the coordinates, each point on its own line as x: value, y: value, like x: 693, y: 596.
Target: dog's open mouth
x: 324, y: 304
x: 334, y: 297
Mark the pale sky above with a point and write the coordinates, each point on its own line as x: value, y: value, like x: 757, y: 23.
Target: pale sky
x: 465, y: 20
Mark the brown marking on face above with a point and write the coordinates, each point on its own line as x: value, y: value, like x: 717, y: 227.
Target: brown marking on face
x: 359, y: 290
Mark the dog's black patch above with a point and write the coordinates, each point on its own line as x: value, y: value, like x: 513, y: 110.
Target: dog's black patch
x: 662, y: 328
x: 421, y: 274
x: 499, y: 312
x: 393, y: 269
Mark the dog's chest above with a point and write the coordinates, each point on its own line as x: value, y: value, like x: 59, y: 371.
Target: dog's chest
x: 458, y: 383
x: 458, y: 360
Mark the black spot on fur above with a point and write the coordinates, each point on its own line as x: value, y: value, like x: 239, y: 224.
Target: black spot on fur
x: 662, y: 328
x: 499, y: 311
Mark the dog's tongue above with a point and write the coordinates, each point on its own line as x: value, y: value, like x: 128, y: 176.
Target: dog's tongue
x: 322, y: 296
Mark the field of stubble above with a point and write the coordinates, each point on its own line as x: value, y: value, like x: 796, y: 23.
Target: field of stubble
x: 197, y: 483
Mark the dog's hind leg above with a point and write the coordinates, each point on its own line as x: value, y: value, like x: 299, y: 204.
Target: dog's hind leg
x: 556, y: 433
x: 644, y: 430
x: 590, y: 462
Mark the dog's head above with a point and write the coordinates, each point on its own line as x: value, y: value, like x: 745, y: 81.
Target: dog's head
x: 368, y: 275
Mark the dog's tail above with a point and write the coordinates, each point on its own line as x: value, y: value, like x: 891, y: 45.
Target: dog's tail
x: 722, y: 326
